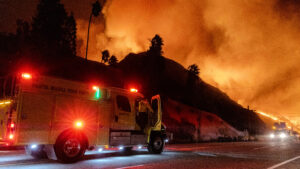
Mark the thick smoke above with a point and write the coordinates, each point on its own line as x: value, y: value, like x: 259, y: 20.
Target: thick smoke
x: 249, y: 49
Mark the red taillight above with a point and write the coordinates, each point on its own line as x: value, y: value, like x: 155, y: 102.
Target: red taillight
x: 133, y: 90
x: 26, y: 76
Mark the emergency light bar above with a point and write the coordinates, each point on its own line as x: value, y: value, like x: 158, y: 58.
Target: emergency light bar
x: 133, y: 90
x: 26, y: 76
x: 97, y: 93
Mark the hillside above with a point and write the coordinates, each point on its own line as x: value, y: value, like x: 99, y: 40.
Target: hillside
x: 188, y: 124
x: 173, y: 82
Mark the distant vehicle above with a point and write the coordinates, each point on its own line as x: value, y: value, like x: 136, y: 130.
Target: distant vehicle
x: 280, y: 132
x: 61, y: 119
x: 279, y: 135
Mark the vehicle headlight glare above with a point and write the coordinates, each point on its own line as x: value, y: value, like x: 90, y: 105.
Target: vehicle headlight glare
x: 33, y: 146
x: 282, y: 135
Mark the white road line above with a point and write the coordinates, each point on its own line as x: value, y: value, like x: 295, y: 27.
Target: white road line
x: 207, y: 154
x: 23, y: 163
x: 257, y: 148
x: 285, y: 162
x: 135, y: 166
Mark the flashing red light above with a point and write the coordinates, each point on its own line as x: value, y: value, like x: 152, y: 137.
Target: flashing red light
x: 133, y: 90
x: 26, y: 76
x: 11, y: 136
x: 12, y: 125
x: 95, y: 88
x: 78, y: 124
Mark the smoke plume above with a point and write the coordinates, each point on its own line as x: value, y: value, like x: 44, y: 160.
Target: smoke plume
x: 248, y: 49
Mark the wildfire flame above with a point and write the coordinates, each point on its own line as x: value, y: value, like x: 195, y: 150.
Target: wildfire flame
x: 268, y: 115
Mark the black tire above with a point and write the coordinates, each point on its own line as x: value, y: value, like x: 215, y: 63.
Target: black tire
x: 156, y: 145
x: 128, y: 149
x: 70, y: 147
x: 37, y: 153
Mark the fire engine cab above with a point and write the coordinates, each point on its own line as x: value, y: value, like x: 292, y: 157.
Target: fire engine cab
x: 61, y: 119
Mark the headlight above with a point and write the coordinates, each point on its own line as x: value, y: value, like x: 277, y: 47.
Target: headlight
x: 282, y: 135
x: 272, y: 135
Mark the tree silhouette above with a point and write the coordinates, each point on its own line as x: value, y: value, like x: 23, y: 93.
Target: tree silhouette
x: 22, y: 35
x: 112, y: 60
x: 194, y: 70
x: 23, y: 29
x: 105, y: 56
x: 156, y: 63
x: 70, y: 28
x: 156, y: 45
x: 96, y: 9
x: 53, y: 31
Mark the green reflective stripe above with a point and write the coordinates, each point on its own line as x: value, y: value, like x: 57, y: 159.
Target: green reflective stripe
x: 97, y: 94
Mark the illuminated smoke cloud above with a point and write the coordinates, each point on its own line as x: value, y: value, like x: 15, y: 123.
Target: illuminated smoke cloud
x: 249, y: 49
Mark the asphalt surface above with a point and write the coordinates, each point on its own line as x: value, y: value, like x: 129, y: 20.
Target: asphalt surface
x: 268, y: 155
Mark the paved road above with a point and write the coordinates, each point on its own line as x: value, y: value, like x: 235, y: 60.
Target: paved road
x: 204, y: 155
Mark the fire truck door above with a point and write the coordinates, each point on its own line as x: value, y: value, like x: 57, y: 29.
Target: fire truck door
x: 155, y: 117
x: 124, y: 118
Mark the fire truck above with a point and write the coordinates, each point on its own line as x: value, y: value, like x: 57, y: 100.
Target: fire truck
x: 61, y: 119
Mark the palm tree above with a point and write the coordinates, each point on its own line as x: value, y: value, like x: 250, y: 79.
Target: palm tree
x: 97, y: 8
x: 112, y: 60
x: 105, y: 56
x: 156, y: 45
x: 194, y: 70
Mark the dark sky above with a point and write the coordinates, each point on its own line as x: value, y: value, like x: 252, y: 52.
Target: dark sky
x: 11, y: 10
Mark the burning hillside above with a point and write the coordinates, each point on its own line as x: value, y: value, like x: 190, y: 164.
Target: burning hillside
x: 249, y: 49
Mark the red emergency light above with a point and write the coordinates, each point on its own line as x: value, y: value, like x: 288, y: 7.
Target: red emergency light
x: 95, y: 88
x: 26, y: 76
x: 133, y: 90
x: 11, y: 136
x: 78, y: 124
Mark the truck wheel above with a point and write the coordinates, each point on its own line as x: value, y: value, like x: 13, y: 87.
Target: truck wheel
x: 128, y: 149
x: 70, y: 148
x: 37, y: 153
x: 156, y: 145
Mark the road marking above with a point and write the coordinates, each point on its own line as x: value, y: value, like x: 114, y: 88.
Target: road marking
x: 257, y: 148
x: 185, y: 148
x: 25, y: 163
x: 207, y: 154
x: 285, y: 162
x: 135, y: 166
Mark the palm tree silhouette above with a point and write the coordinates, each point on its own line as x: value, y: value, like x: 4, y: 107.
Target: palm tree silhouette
x: 194, y: 70
x: 97, y: 8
